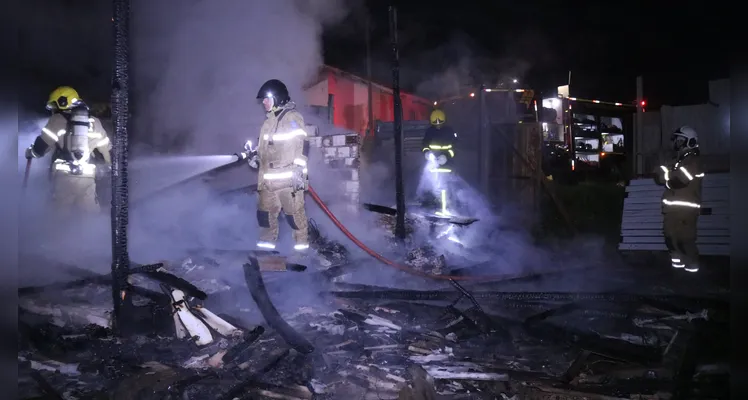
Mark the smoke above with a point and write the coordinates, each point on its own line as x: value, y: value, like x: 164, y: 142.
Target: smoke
x: 198, y: 66
x: 463, y: 65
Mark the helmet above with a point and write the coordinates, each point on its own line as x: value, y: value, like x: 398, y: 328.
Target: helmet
x: 63, y: 98
x: 437, y: 118
x: 685, y: 138
x: 276, y: 90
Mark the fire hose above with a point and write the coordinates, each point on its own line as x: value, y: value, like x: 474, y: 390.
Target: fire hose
x: 26, y: 174
x: 405, y: 268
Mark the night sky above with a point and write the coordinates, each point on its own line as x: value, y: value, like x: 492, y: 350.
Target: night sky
x: 605, y: 44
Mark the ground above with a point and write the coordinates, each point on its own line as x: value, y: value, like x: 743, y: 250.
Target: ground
x: 648, y: 334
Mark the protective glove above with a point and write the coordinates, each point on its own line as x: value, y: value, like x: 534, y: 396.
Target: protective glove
x: 299, y: 180
x: 30, y: 153
x: 659, y: 175
x: 254, y: 160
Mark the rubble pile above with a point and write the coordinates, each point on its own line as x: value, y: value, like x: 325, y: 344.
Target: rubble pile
x: 397, y: 344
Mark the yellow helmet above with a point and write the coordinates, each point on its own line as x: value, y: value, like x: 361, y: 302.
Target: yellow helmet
x: 63, y: 98
x: 437, y: 117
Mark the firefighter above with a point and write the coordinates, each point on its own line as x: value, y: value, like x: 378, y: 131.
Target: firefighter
x: 438, y: 149
x: 681, y: 202
x: 281, y: 160
x: 78, y: 142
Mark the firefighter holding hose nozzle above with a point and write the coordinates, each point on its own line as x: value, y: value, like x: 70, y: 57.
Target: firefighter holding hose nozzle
x: 281, y: 160
x: 438, y: 150
x: 78, y: 142
x: 681, y: 201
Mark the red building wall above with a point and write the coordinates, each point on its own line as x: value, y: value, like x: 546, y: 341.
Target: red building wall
x: 351, y: 98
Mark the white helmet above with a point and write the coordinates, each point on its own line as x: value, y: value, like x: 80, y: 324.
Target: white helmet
x: 685, y: 138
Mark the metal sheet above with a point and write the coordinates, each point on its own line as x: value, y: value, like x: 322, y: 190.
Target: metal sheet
x: 721, y: 194
x: 708, y: 179
x: 700, y: 240
x: 657, y: 219
x: 714, y: 205
x: 657, y: 225
x: 637, y: 190
x: 725, y: 233
x: 704, y: 249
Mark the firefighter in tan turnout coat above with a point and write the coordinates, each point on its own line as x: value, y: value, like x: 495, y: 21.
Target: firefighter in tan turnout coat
x: 681, y: 202
x: 78, y: 142
x: 281, y: 160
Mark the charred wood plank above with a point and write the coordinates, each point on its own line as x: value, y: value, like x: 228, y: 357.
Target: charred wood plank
x: 50, y: 392
x: 576, y: 366
x: 105, y: 279
x: 615, y: 349
x: 256, y: 287
x: 239, y: 389
x: 249, y: 338
x: 543, y: 315
x: 686, y: 366
x: 436, y: 295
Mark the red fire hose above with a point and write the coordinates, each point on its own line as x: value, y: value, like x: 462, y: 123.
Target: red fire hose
x: 404, y: 268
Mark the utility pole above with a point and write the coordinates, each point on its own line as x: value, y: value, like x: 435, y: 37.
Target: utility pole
x: 485, y: 144
x: 639, y: 160
x: 369, y: 77
x: 120, y: 196
x: 398, y: 120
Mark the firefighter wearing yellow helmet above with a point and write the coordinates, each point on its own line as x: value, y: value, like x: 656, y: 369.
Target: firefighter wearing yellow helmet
x: 439, y: 140
x: 438, y: 148
x: 78, y: 142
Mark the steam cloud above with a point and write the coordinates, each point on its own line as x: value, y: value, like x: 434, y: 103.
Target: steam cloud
x: 196, y: 68
x: 199, y: 65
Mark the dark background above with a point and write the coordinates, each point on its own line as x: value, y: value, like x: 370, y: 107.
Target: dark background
x: 605, y: 44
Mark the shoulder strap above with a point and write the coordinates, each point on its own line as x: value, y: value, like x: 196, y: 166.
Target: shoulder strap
x: 280, y: 117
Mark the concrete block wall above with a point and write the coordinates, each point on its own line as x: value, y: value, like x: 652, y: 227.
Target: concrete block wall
x: 341, y: 153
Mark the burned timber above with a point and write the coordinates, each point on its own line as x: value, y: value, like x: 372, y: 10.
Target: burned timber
x: 458, y: 342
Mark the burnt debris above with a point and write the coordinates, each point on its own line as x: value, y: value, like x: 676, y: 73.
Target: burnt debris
x: 365, y: 342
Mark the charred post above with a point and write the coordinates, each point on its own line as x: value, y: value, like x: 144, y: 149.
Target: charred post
x: 485, y: 143
x: 120, y: 111
x: 398, y: 119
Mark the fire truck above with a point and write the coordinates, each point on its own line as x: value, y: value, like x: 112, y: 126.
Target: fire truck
x: 587, y: 137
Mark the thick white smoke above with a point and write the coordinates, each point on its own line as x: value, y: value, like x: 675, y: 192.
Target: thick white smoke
x: 196, y: 67
x: 199, y: 64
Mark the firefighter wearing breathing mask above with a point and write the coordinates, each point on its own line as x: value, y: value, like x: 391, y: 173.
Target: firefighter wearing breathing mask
x: 681, y: 201
x: 281, y: 161
x: 78, y: 142
x: 438, y: 150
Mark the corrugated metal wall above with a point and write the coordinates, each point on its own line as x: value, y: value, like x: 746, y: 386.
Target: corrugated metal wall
x: 351, y: 102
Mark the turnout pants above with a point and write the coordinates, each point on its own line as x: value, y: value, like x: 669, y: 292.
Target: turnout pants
x: 679, y: 229
x: 74, y: 193
x: 273, y: 200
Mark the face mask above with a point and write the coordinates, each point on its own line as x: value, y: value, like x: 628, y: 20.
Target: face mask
x: 679, y: 143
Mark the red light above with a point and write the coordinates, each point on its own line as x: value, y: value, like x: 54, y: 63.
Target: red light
x: 644, y: 103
